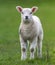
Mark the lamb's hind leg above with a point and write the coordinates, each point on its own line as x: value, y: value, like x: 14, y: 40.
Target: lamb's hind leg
x: 39, y: 47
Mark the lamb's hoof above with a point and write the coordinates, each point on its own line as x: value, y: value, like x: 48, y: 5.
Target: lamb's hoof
x: 23, y: 58
x: 40, y: 56
x: 31, y: 58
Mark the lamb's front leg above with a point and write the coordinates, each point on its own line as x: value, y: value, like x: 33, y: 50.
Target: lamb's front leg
x: 33, y: 48
x: 23, y: 49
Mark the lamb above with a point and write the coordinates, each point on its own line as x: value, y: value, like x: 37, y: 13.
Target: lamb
x: 31, y: 31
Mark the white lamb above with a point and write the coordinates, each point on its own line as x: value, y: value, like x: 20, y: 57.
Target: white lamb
x: 30, y: 30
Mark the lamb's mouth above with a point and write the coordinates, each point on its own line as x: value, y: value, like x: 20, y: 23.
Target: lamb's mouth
x: 27, y: 21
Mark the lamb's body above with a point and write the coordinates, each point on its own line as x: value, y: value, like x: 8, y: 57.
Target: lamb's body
x: 30, y: 30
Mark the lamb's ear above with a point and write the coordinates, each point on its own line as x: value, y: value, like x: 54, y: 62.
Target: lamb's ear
x: 34, y: 9
x: 19, y: 8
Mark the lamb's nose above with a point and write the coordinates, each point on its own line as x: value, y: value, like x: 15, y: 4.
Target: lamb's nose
x: 26, y: 17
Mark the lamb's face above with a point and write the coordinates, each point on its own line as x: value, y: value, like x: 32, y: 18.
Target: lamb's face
x: 26, y: 13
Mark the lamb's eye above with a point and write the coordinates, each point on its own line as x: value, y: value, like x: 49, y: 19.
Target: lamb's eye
x: 30, y: 12
x: 22, y: 13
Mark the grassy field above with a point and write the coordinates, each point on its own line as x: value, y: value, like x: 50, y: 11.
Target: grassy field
x: 9, y: 37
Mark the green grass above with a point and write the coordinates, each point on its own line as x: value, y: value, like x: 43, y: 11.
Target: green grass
x: 9, y: 37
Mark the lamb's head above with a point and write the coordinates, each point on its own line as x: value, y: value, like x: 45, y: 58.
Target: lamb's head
x: 26, y: 13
